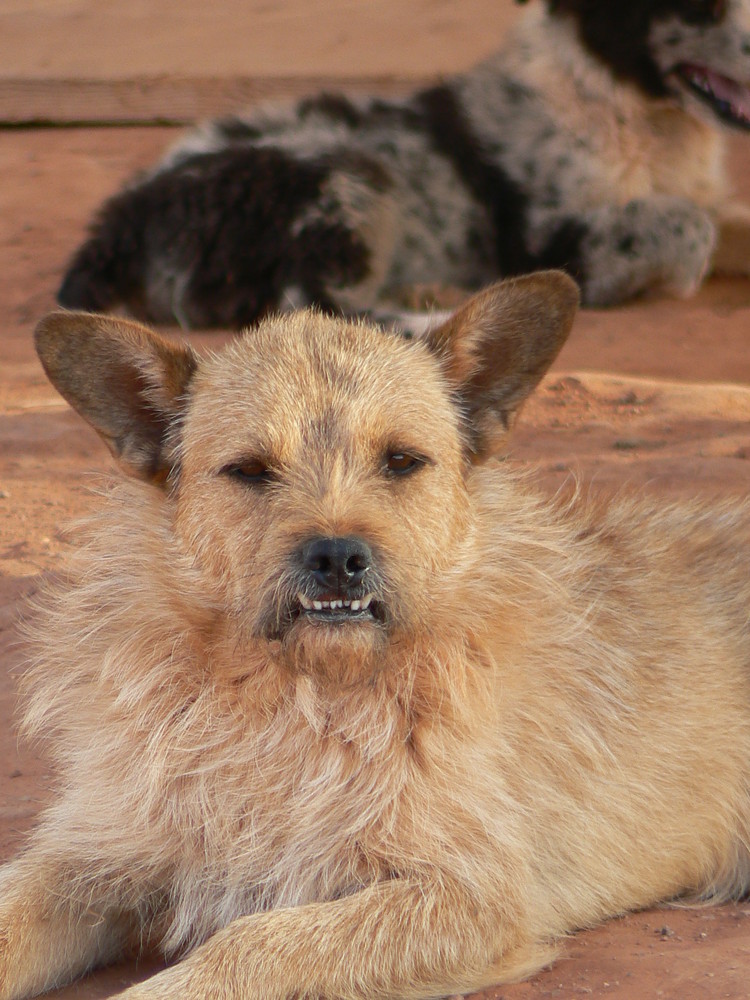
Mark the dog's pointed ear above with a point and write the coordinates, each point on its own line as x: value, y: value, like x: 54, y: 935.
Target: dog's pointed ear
x: 497, y: 346
x: 126, y: 381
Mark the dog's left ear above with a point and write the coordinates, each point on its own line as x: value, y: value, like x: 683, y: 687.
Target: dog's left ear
x: 498, y: 345
x: 125, y: 380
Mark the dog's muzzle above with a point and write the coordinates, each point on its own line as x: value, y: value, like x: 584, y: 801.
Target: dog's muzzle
x: 728, y: 99
x: 336, y: 575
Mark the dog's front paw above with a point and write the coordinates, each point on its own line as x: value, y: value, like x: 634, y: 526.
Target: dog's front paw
x: 649, y: 243
x: 159, y: 987
x: 191, y: 980
x: 689, y: 239
x: 166, y: 987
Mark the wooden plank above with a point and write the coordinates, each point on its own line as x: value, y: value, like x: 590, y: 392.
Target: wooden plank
x: 165, y: 99
x: 129, y: 39
x: 180, y: 60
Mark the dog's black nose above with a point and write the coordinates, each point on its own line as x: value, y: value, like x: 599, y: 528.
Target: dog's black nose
x: 338, y: 564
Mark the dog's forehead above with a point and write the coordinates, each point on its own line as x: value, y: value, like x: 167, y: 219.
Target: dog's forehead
x: 322, y: 356
x: 297, y: 370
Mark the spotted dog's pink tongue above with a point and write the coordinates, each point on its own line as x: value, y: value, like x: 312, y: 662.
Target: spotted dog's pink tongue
x: 731, y: 98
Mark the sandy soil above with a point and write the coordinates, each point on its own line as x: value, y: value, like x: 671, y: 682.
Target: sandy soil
x: 655, y: 396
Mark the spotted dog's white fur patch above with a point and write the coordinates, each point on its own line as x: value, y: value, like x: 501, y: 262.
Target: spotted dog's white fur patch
x: 593, y: 142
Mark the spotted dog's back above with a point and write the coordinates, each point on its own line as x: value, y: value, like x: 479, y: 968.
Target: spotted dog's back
x: 589, y: 143
x: 338, y: 202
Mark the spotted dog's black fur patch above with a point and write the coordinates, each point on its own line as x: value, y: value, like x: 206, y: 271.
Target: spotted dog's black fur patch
x: 212, y: 238
x: 451, y: 135
x: 618, y: 32
x: 343, y: 200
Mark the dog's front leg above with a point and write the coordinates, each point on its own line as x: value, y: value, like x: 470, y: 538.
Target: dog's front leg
x: 397, y: 939
x: 46, y: 937
x: 732, y: 255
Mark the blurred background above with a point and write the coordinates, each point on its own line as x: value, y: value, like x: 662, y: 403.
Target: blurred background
x: 175, y: 60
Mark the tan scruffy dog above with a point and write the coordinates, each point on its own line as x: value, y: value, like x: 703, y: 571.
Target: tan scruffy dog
x: 342, y: 707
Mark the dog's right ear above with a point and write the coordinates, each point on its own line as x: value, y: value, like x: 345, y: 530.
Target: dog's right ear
x: 122, y: 378
x: 496, y: 347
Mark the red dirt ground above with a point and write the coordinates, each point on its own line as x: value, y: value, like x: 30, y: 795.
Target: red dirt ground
x: 654, y: 396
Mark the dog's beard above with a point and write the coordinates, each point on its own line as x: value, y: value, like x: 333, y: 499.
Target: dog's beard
x: 346, y: 654
x: 342, y: 640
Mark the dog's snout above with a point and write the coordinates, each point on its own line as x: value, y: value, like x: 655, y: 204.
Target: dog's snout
x: 338, y: 564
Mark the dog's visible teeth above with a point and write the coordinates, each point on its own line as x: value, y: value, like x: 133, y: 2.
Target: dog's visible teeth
x: 358, y: 605
x: 729, y: 98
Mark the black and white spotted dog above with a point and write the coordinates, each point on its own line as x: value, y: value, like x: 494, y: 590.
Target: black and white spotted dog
x: 591, y: 142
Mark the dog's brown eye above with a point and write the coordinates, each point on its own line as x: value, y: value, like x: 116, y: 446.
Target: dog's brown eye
x: 401, y: 463
x: 253, y: 471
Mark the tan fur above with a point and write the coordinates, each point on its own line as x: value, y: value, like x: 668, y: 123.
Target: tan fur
x: 549, y: 725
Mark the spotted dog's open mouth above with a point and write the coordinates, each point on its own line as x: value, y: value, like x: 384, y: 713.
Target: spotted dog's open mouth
x: 728, y: 99
x: 336, y: 610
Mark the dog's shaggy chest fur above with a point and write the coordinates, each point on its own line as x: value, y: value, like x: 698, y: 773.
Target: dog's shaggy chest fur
x: 591, y: 142
x: 342, y: 707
